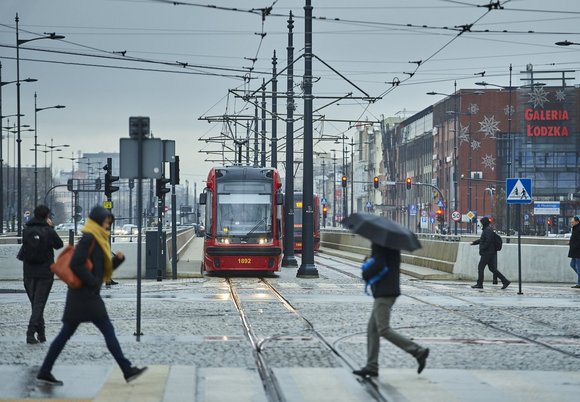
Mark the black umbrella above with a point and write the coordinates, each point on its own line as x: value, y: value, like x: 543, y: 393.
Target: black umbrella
x: 382, y: 231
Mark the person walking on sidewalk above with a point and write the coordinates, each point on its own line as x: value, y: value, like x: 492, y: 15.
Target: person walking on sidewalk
x: 39, y: 240
x: 382, y: 273
x: 85, y: 304
x: 488, y: 253
x: 574, y: 252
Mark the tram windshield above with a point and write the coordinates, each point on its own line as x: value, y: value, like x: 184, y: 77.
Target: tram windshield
x: 244, y: 212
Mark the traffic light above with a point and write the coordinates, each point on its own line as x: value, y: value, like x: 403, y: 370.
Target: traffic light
x: 174, y: 171
x: 110, y: 179
x: 344, y: 180
x: 324, y: 212
x: 376, y: 182
x: 160, y: 189
x: 408, y: 182
x: 439, y: 214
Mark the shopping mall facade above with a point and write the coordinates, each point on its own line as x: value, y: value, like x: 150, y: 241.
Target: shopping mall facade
x: 460, y: 151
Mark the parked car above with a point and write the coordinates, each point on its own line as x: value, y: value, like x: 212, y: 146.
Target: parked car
x: 127, y: 230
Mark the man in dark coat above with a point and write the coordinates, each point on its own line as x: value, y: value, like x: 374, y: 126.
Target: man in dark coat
x: 85, y: 304
x: 488, y: 254
x: 38, y: 278
x: 574, y: 252
x: 382, y: 272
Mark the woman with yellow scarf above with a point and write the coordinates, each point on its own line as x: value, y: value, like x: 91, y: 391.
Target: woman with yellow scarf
x: 85, y: 304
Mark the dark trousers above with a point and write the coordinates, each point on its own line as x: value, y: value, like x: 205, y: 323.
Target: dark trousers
x: 38, y: 290
x: 491, y: 261
x: 379, y: 326
x: 69, y: 328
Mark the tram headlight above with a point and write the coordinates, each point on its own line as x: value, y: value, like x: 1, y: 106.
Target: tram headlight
x: 263, y: 240
x: 225, y: 240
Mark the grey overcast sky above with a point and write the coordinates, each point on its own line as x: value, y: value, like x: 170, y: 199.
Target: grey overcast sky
x: 124, y: 58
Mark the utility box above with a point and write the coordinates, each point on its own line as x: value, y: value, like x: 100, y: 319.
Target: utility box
x: 152, y: 251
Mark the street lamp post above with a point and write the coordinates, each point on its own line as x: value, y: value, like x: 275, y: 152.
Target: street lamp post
x: 510, y: 88
x: 36, y: 110
x: 72, y: 175
x: 19, y: 168
x: 455, y: 154
x: 334, y: 188
x: 2, y: 83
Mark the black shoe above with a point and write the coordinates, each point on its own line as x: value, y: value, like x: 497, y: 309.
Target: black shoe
x: 364, y: 372
x: 41, y: 335
x: 48, y: 378
x: 476, y: 286
x: 133, y: 373
x: 422, y: 360
x: 111, y: 282
x: 505, y: 284
x: 31, y: 340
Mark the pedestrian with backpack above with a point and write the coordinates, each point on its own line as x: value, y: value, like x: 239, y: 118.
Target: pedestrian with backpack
x: 85, y: 304
x: 488, y: 248
x: 39, y: 240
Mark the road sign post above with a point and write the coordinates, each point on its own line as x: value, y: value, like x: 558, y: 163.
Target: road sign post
x: 519, y: 191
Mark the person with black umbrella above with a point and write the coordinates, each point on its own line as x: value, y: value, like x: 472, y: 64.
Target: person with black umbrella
x: 382, y: 273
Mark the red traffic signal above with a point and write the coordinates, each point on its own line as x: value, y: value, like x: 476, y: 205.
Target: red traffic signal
x: 344, y: 179
x: 376, y: 182
x: 439, y: 215
x: 408, y: 182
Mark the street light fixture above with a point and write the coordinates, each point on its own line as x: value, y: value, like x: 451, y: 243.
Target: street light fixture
x: 566, y: 43
x: 19, y: 169
x: 36, y: 110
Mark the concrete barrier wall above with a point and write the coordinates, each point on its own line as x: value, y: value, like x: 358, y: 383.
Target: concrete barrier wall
x: 11, y: 268
x: 545, y: 261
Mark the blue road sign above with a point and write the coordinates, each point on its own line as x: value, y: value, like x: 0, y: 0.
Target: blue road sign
x: 518, y: 191
x: 413, y: 209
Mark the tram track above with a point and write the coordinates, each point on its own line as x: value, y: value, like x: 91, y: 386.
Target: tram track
x: 271, y: 385
x: 479, y: 321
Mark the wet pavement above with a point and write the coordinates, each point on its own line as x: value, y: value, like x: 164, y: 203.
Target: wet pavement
x: 485, y: 345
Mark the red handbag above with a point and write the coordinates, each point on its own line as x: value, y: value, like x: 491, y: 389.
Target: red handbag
x: 61, y: 267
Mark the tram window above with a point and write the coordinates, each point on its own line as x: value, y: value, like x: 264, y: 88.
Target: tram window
x: 208, y: 214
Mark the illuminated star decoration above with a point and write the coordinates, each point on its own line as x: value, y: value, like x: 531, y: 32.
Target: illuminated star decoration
x: 464, y: 134
x: 488, y: 161
x: 489, y: 126
x: 475, y: 144
x: 473, y: 108
x: 509, y: 110
x: 538, y: 97
x: 561, y: 95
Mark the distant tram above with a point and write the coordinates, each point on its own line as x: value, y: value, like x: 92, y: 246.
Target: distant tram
x: 298, y: 222
x: 243, y: 219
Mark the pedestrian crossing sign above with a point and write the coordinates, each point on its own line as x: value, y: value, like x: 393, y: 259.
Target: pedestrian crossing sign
x: 519, y: 191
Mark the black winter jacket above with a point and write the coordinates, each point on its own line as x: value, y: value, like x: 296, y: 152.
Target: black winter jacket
x: 388, y: 285
x: 574, y: 251
x: 42, y: 270
x: 85, y: 304
x: 486, y: 243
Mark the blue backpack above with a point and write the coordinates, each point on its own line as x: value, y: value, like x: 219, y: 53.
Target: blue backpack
x: 366, y: 265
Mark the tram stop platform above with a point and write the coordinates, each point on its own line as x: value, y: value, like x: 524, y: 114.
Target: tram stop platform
x: 184, y: 383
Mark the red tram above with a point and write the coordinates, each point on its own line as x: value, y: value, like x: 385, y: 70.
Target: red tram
x: 243, y: 219
x: 298, y: 222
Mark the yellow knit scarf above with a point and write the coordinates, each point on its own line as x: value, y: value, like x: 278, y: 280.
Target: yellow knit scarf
x: 102, y: 237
